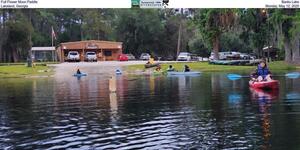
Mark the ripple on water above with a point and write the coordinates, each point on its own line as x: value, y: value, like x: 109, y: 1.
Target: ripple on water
x: 71, y: 117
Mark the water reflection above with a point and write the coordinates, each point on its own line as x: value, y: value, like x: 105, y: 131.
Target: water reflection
x: 265, y: 98
x: 293, y: 96
x: 235, y: 98
x: 147, y: 112
x: 113, y: 107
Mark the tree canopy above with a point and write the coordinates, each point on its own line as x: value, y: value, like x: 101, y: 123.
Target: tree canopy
x: 155, y: 31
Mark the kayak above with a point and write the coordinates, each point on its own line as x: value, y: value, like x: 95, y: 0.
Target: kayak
x: 151, y: 65
x: 158, y: 72
x: 118, y: 72
x: 184, y: 73
x: 79, y: 75
x: 261, y: 94
x: 264, y: 84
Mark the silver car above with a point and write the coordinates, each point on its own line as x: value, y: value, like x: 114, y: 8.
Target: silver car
x: 90, y: 56
x: 73, y: 56
x: 184, y: 56
x: 145, y: 56
x: 130, y: 57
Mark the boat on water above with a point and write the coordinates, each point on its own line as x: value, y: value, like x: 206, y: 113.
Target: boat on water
x: 261, y: 94
x: 79, y: 74
x: 118, y: 72
x: 184, y: 73
x: 151, y: 65
x: 158, y: 72
x: 274, y: 84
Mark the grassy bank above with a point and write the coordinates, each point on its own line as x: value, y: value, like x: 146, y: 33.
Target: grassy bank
x: 19, y: 71
x: 24, y: 63
x: 205, y: 67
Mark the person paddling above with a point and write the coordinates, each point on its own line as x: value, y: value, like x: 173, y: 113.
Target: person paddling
x: 262, y: 73
x: 158, y: 68
x: 187, y: 68
x: 171, y: 68
x: 78, y: 71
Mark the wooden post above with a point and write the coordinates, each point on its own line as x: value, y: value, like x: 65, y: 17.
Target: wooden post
x: 112, y: 84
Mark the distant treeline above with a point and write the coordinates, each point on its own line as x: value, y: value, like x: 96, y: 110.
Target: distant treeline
x: 161, y: 32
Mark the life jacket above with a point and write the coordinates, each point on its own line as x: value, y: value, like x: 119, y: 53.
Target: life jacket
x: 262, y: 71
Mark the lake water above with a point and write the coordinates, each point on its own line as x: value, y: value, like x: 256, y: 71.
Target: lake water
x: 148, y: 112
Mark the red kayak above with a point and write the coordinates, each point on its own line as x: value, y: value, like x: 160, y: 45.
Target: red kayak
x: 265, y: 84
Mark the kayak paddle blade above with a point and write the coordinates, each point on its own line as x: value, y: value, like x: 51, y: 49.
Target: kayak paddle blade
x: 293, y: 75
x: 233, y: 77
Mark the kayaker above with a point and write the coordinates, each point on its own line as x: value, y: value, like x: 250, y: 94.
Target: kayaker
x: 262, y: 73
x: 171, y: 68
x: 150, y: 61
x: 158, y: 68
x: 187, y: 68
x: 78, y: 71
x: 118, y: 71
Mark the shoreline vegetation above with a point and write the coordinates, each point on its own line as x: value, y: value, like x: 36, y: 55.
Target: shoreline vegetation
x: 20, y: 70
x: 276, y: 66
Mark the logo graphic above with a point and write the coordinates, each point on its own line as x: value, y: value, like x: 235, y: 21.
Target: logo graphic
x: 135, y: 3
x: 166, y: 2
x: 149, y: 3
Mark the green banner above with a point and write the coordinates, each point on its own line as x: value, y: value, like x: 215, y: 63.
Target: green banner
x: 135, y: 3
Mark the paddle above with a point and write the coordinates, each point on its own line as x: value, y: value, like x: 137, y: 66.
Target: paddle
x: 292, y: 75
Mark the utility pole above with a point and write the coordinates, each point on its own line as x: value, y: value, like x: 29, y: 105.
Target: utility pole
x: 179, y: 32
x: 179, y: 40
x: 29, y: 57
x: 268, y: 36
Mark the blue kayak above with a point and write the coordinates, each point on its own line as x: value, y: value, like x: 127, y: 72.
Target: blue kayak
x: 184, y: 73
x: 79, y: 75
x: 118, y: 72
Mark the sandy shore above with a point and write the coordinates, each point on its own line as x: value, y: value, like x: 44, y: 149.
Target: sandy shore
x: 101, y: 68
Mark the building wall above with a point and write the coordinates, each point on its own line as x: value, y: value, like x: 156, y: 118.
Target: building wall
x: 105, y: 50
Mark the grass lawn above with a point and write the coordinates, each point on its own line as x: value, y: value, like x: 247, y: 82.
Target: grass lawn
x: 24, y: 63
x: 15, y: 71
x: 205, y: 67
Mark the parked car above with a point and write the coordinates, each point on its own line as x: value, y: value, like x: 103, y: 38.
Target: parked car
x: 73, y: 56
x: 170, y: 58
x: 222, y: 55
x: 225, y: 55
x: 130, y: 57
x: 245, y: 56
x: 90, y: 56
x: 233, y: 55
x: 194, y: 57
x: 123, y: 57
x: 211, y: 56
x: 204, y: 59
x: 253, y: 56
x: 184, y: 56
x: 145, y: 56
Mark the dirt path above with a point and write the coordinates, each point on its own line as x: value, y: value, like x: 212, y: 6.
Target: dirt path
x: 108, y: 67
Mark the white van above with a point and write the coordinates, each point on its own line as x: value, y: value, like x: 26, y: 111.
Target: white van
x: 224, y: 55
x: 184, y: 56
x: 73, y: 56
x: 90, y: 56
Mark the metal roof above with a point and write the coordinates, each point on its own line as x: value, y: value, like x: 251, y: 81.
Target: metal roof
x: 43, y: 49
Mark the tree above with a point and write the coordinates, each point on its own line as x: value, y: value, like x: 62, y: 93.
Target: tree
x: 94, y: 25
x: 287, y: 24
x: 212, y: 23
x: 175, y: 22
x: 255, y: 29
x: 139, y: 30
x: 17, y: 28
